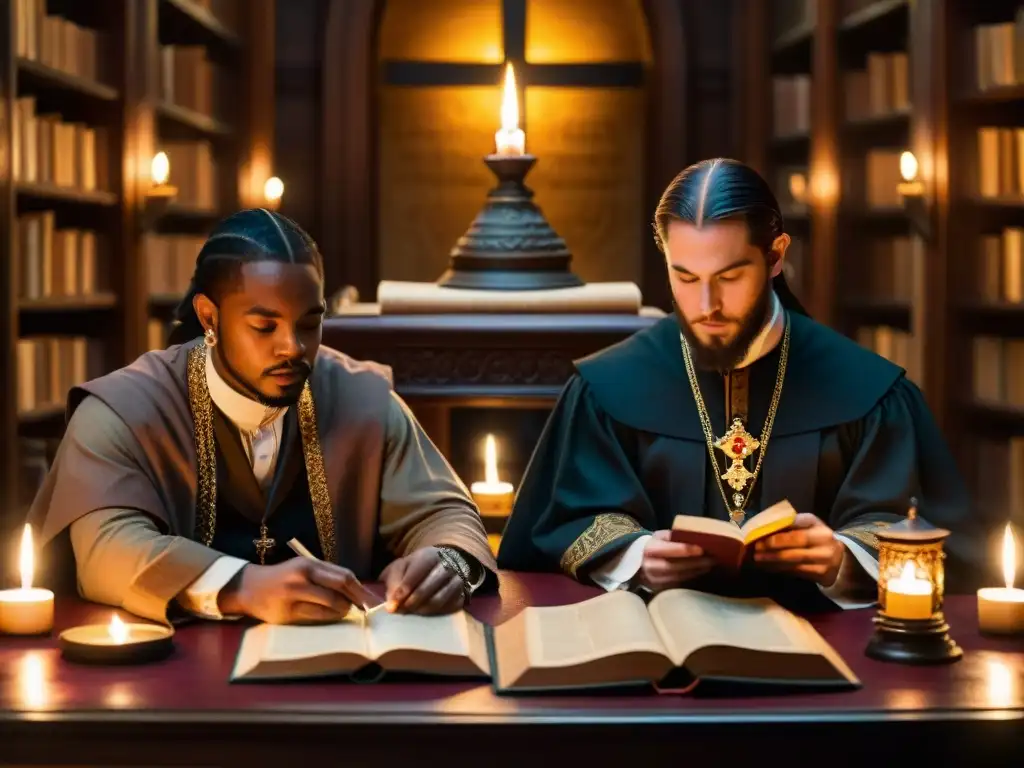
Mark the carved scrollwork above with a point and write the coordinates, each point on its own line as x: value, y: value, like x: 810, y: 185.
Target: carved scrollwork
x: 478, y: 367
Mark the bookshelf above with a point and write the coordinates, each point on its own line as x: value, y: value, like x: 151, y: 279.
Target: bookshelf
x: 936, y: 283
x: 91, y: 266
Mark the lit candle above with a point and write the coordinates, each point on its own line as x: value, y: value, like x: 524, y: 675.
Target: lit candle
x: 1001, y: 609
x: 273, y: 190
x: 492, y: 495
x: 116, y: 642
x: 510, y: 138
x: 907, y: 596
x: 26, y: 611
x: 160, y: 168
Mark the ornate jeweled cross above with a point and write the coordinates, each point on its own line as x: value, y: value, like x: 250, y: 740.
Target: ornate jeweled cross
x: 263, y: 544
x: 737, y: 444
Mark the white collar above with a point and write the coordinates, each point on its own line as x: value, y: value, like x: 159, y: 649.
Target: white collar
x: 244, y: 412
x: 768, y: 337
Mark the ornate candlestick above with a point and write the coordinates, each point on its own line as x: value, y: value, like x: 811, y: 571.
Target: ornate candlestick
x: 910, y: 627
x: 510, y: 246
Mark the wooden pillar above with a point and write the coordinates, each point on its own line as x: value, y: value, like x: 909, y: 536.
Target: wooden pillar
x: 752, y: 95
x: 256, y: 156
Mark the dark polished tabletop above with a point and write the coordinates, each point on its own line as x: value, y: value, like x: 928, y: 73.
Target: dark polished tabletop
x: 187, y: 713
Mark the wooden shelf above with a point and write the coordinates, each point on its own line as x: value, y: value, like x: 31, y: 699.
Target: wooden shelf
x: 182, y: 118
x: 183, y: 21
x: 1006, y: 94
x: 51, y: 193
x: 878, y: 311
x: 995, y: 417
x: 874, y: 13
x: 791, y: 142
x: 37, y: 76
x: 995, y: 203
x: 91, y: 303
x: 798, y: 37
x: 45, y: 413
x: 993, y: 319
x: 875, y: 127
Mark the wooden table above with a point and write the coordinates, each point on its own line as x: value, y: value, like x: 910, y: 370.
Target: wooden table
x: 184, y: 712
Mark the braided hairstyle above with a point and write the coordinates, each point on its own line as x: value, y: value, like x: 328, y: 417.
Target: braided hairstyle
x: 719, y: 189
x: 248, y: 236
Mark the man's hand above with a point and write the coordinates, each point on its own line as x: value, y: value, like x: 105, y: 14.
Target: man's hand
x: 807, y: 548
x: 420, y: 583
x: 297, y: 591
x: 669, y: 564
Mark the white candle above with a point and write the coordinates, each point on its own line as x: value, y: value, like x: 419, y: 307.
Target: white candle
x: 510, y: 140
x: 28, y: 610
x: 492, y: 495
x: 907, y: 596
x: 1001, y: 609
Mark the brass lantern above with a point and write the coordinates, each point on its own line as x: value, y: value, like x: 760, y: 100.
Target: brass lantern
x: 910, y: 627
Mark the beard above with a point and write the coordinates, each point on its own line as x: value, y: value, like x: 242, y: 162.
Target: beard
x: 723, y: 355
x: 251, y: 390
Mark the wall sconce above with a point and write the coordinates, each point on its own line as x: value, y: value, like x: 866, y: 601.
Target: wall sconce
x: 911, y: 190
x: 160, y: 194
x: 273, y: 190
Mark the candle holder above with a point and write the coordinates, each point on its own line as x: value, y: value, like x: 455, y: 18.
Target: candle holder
x: 910, y: 627
x: 510, y: 246
x: 116, y: 643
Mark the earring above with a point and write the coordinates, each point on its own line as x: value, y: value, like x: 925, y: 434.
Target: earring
x: 210, y: 338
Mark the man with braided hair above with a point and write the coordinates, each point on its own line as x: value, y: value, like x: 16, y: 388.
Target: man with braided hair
x: 183, y: 477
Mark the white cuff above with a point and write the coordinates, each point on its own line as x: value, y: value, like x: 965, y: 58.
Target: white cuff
x: 852, y: 570
x: 200, y: 597
x: 619, y: 570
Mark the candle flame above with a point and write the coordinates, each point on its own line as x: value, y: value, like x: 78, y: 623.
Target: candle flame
x: 908, y: 166
x: 1009, y: 556
x: 490, y: 460
x: 909, y: 572
x: 160, y: 168
x: 26, y: 561
x: 509, y: 102
x: 118, y: 631
x: 273, y: 189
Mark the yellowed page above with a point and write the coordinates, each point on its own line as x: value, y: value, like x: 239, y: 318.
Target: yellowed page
x: 607, y: 625
x: 295, y: 641
x: 456, y: 634
x: 768, y: 521
x: 687, y: 620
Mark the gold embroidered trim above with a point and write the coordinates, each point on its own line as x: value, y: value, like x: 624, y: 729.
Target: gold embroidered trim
x: 206, y: 458
x: 206, y: 447
x: 867, y: 533
x: 323, y: 511
x: 605, y: 529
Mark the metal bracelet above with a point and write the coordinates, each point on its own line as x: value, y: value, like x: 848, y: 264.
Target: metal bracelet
x: 456, y: 564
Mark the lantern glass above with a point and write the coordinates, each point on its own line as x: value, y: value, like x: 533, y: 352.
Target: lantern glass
x: 911, y: 578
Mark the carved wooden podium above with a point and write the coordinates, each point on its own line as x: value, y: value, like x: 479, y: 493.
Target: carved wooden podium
x: 487, y: 361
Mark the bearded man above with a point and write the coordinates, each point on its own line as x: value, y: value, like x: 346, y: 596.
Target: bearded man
x: 637, y: 435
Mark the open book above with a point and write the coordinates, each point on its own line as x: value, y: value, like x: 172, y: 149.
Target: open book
x: 365, y: 648
x: 681, y: 638
x: 726, y: 541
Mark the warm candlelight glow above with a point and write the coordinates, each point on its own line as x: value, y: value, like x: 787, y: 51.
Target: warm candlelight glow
x: 118, y: 631
x: 273, y: 190
x: 160, y: 168
x: 798, y: 187
x: 26, y: 611
x: 907, y: 596
x: 510, y: 139
x: 492, y: 495
x: 491, y: 461
x: 908, y: 166
x: 26, y: 559
x: 1009, y: 557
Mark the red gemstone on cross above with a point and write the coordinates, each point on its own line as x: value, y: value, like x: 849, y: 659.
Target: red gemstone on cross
x: 737, y: 445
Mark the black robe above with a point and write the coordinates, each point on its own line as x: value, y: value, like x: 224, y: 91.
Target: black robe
x: 623, y: 453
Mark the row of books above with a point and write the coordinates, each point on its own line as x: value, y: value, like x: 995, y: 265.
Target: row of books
x: 50, y: 151
x: 170, y: 261
x: 998, y: 369
x: 48, y: 366
x: 1001, y: 272
x: 791, y: 105
x: 1000, y: 478
x: 193, y: 167
x: 1000, y: 162
x: 882, y: 178
x: 881, y: 89
x: 999, y: 53
x: 55, y: 261
x: 189, y: 79
x: 892, y: 268
x: 895, y: 345
x: 58, y: 42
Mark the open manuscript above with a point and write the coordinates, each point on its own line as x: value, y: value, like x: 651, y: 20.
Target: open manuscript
x: 365, y: 648
x: 681, y: 638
